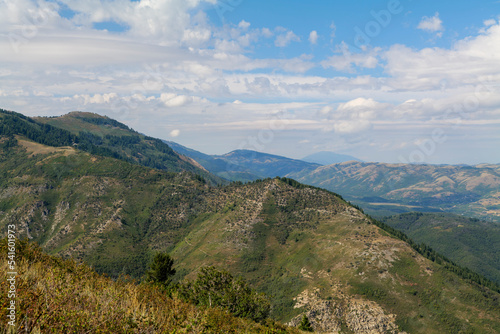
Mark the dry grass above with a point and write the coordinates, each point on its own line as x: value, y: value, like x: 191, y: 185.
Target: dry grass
x: 35, y: 148
x: 63, y: 296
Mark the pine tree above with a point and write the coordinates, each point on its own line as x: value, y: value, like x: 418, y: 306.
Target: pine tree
x: 305, y: 325
x: 161, y: 269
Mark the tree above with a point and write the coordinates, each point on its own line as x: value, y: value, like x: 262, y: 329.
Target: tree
x: 305, y: 325
x: 161, y: 269
x: 215, y: 287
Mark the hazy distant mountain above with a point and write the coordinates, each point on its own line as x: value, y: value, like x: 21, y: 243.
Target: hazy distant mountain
x: 383, y: 189
x: 328, y: 158
x: 215, y: 165
x: 266, y: 165
x: 244, y: 165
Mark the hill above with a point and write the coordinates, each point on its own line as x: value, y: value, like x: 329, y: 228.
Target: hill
x: 305, y: 247
x: 469, y: 242
x: 100, y: 135
x: 328, y: 158
x: 64, y: 296
x: 385, y: 189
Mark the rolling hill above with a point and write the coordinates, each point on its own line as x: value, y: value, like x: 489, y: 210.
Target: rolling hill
x: 384, y: 189
x: 305, y: 247
x: 101, y: 135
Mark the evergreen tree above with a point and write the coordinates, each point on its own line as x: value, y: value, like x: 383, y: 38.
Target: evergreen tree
x: 305, y: 325
x: 161, y: 269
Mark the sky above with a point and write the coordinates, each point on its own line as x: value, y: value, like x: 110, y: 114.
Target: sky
x: 390, y: 81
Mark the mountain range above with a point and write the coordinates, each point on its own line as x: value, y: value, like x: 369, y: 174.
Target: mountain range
x: 90, y: 192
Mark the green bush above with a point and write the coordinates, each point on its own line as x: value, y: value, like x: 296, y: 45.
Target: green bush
x: 219, y: 288
x: 161, y: 269
x: 305, y: 325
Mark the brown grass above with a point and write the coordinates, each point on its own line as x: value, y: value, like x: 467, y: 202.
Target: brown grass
x: 63, y: 296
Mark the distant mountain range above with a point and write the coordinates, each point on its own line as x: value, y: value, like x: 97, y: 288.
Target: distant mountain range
x: 245, y: 165
x: 384, y: 189
x: 381, y: 189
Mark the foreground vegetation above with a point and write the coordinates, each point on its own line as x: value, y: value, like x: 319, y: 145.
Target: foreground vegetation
x: 64, y: 296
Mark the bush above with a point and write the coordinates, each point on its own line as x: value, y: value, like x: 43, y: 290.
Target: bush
x: 161, y: 269
x: 305, y: 325
x: 219, y: 288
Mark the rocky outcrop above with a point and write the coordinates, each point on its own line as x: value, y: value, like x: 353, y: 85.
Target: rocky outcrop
x: 344, y: 312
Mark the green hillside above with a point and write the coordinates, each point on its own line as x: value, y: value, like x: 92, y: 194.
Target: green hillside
x: 467, y: 241
x: 306, y: 248
x: 102, y: 136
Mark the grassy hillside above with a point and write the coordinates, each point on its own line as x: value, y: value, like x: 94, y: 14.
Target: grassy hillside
x: 63, y: 296
x: 102, y: 136
x: 305, y: 247
x: 385, y: 189
x: 467, y: 241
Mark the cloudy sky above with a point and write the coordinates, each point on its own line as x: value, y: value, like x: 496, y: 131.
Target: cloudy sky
x: 391, y: 80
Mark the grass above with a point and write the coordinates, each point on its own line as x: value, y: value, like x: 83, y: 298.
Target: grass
x: 64, y: 296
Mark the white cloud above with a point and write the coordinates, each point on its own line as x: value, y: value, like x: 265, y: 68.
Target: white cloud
x: 173, y: 100
x: 431, y: 24
x: 351, y: 126
x: 489, y: 22
x: 313, y: 37
x: 470, y: 61
x: 285, y: 39
x: 346, y: 60
x: 360, y: 103
x: 244, y: 24
x: 175, y: 133
x: 333, y: 29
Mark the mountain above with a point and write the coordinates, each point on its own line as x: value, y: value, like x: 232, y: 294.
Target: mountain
x: 305, y: 247
x: 104, y: 136
x: 265, y: 165
x: 244, y: 165
x: 470, y: 242
x: 328, y: 158
x: 385, y: 189
x: 216, y: 165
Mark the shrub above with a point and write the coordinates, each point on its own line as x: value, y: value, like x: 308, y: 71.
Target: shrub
x: 219, y: 288
x: 161, y: 269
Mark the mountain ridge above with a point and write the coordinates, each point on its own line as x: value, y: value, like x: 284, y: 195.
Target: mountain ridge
x: 312, y: 252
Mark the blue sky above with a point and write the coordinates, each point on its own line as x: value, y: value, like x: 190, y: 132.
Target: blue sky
x: 392, y: 81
